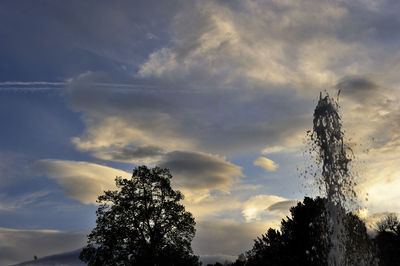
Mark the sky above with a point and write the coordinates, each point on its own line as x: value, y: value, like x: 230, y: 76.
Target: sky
x: 221, y: 92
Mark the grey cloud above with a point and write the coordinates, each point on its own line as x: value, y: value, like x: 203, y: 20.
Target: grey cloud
x: 140, y: 152
x: 356, y: 83
x: 282, y: 206
x: 280, y: 33
x: 178, y: 120
x: 364, y: 99
x: 240, y: 89
x: 20, y: 245
x: 201, y: 171
x: 359, y: 89
x: 225, y: 238
x: 233, y: 81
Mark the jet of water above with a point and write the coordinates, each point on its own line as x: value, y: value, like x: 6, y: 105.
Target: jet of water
x: 335, y: 180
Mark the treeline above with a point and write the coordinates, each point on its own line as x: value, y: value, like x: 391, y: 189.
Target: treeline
x: 143, y: 223
x: 303, y: 239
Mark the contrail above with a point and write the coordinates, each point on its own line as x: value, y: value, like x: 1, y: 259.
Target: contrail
x: 30, y: 86
x: 38, y: 86
x: 31, y: 83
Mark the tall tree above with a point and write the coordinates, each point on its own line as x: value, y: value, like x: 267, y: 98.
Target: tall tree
x: 142, y: 223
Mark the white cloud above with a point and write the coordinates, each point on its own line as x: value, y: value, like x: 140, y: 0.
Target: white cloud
x: 105, y: 135
x: 158, y: 62
x: 267, y: 208
x: 266, y: 163
x: 206, y: 206
x: 81, y: 180
x: 273, y: 149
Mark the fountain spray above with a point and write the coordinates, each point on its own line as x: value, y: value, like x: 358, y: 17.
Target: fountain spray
x: 335, y: 180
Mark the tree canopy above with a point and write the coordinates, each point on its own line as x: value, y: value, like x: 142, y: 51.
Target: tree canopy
x: 142, y: 223
x: 388, y: 240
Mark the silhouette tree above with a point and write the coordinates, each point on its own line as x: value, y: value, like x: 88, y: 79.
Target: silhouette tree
x: 142, y: 223
x: 304, y: 239
x: 388, y: 240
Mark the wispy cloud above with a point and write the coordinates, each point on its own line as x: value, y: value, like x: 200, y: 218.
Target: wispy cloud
x: 266, y: 163
x: 12, y: 203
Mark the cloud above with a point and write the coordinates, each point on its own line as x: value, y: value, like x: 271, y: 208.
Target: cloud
x: 370, y: 114
x: 138, y: 155
x: 266, y: 207
x: 224, y: 47
x: 380, y: 184
x: 126, y: 121
x: 161, y: 117
x: 356, y: 83
x: 192, y: 172
x: 21, y: 245
x: 217, y: 59
x: 207, y: 206
x: 225, y: 238
x: 282, y: 206
x: 138, y: 152
x: 81, y: 180
x: 202, y: 171
x: 182, y: 82
x: 266, y: 163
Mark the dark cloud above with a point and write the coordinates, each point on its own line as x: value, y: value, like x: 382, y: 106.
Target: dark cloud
x: 353, y: 84
x: 282, y: 206
x: 201, y: 171
x: 359, y: 89
x: 140, y: 152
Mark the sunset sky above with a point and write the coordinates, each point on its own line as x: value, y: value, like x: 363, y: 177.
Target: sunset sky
x: 221, y: 92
